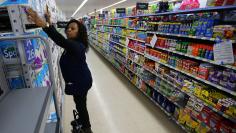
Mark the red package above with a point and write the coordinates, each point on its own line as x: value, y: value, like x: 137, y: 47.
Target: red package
x: 230, y: 2
x: 215, y: 122
x: 189, y: 4
x: 219, y: 2
x: 226, y: 127
x: 205, y: 115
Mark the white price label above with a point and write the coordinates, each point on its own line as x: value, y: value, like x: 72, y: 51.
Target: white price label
x: 153, y: 41
x: 223, y: 53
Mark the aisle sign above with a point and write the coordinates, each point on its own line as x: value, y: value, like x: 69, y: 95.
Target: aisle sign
x: 62, y: 24
x: 104, y: 12
x: 154, y: 40
x: 142, y: 6
x: 120, y: 10
x: 101, y: 15
x: 223, y: 53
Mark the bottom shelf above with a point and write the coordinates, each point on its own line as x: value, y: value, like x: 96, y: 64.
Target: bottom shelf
x: 167, y: 113
x: 51, y: 127
x: 25, y: 110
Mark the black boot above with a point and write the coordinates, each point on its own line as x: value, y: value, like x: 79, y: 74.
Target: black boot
x: 87, y: 130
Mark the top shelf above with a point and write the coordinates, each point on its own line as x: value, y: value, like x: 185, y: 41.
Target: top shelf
x: 198, y: 10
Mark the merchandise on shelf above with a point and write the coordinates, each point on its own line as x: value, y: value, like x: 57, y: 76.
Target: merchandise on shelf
x: 178, y: 72
x: 204, y: 71
x: 140, y: 47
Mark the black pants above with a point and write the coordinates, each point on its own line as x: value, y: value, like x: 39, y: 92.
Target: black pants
x: 81, y: 106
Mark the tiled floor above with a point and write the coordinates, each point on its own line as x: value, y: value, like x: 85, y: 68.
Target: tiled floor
x: 116, y: 106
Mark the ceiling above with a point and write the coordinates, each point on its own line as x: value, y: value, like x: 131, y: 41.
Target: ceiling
x: 69, y: 6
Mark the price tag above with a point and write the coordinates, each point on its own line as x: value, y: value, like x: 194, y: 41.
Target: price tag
x: 29, y: 51
x: 223, y: 52
x: 154, y: 40
x: 127, y: 41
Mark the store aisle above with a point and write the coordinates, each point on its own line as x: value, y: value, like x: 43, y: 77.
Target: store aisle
x: 116, y: 106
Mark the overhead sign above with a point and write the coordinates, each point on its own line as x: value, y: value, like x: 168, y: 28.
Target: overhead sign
x: 101, y: 15
x: 61, y: 24
x: 120, y: 10
x: 104, y: 12
x: 142, y: 6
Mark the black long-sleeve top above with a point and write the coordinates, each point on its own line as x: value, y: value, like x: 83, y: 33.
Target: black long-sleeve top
x: 73, y: 63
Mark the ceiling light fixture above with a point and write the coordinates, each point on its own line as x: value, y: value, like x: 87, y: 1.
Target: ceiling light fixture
x: 108, y: 6
x: 80, y: 6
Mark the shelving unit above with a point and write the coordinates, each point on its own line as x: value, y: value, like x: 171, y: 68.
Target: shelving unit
x: 162, y: 67
x: 36, y: 81
x: 193, y: 76
x: 191, y: 37
x: 160, y: 107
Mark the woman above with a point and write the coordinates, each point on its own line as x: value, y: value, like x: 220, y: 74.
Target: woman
x: 73, y: 64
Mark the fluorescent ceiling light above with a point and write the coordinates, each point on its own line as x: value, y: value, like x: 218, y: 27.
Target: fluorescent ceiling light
x: 108, y: 6
x: 82, y: 4
x: 154, y: 1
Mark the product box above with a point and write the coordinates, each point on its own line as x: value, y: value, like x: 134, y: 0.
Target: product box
x: 9, y: 52
x: 205, y: 115
x: 215, y: 122
x: 14, y: 76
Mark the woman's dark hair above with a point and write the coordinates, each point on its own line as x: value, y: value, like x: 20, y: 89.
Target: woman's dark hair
x: 82, y: 34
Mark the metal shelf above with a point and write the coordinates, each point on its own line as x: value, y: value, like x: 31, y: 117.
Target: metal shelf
x: 188, y: 36
x: 136, y: 39
x: 118, y: 43
x: 136, y: 29
x: 198, y: 10
x: 117, y: 34
x: 196, y: 57
x: 136, y: 51
x: 24, y: 110
x: 51, y: 127
x: 114, y: 25
x: 197, y: 78
x: 118, y: 51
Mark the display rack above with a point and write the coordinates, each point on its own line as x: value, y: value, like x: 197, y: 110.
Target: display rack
x: 31, y: 79
x: 154, y: 74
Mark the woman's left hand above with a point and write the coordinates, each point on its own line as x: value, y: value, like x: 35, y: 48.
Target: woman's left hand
x: 34, y: 17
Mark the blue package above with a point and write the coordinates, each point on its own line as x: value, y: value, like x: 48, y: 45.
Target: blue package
x: 176, y: 29
x: 13, y: 2
x: 198, y: 27
x: 8, y: 49
x: 209, y: 29
x: 16, y: 83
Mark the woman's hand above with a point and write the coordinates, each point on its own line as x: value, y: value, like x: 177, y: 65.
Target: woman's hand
x: 33, y: 17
